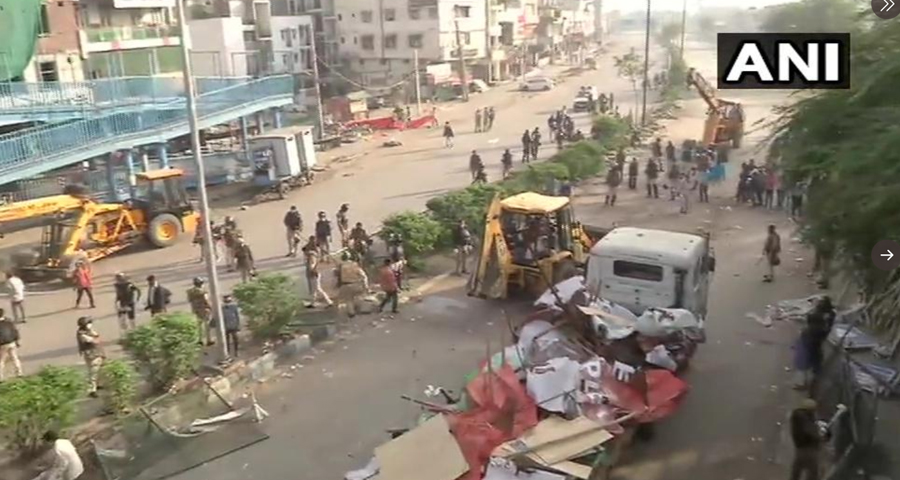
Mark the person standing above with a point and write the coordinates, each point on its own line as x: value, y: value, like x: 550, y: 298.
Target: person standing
x: 491, y: 113
x: 478, y: 121
x: 807, y: 439
x: 293, y: 225
x: 475, y: 164
x: 352, y: 283
x: 230, y: 234
x: 231, y: 317
x: 127, y: 297
x: 633, y: 168
x: 343, y: 224
x: 656, y: 148
x: 323, y: 236
x: 16, y: 296
x: 684, y: 187
x: 703, y: 185
x: 820, y: 322
x: 797, y: 192
x: 9, y: 346
x: 670, y: 152
x: 673, y: 177
x: 243, y: 259
x: 507, y: 162
x: 462, y: 247
x: 613, y: 180
x: 771, y: 186
x: 83, y: 279
x: 526, y: 146
x: 313, y: 273
x: 158, y: 296
x: 535, y: 142
x: 652, y: 173
x: 448, y: 135
x: 201, y: 307
x: 771, y: 252
x: 90, y: 350
x: 387, y: 279
x: 65, y: 464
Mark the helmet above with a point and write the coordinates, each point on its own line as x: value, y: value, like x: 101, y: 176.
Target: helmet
x: 321, y: 214
x: 345, y: 206
x: 120, y: 277
x: 198, y: 281
x: 83, y: 322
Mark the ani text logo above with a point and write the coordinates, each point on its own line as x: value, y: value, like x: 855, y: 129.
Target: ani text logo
x: 784, y: 60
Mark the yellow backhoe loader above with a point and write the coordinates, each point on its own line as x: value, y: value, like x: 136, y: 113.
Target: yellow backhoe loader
x: 81, y: 228
x: 529, y: 240
x: 724, y: 118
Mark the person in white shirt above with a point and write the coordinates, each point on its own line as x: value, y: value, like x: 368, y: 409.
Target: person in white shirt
x: 16, y: 296
x: 65, y: 464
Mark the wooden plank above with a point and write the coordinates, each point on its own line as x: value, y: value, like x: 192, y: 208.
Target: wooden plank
x: 428, y: 451
x: 555, y: 439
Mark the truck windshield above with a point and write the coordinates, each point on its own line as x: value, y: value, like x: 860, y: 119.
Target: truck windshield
x: 638, y: 271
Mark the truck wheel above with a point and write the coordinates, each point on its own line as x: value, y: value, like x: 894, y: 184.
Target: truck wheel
x: 164, y: 230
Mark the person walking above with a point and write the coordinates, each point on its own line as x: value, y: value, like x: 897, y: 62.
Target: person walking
x: 83, y: 279
x: 807, y: 438
x: 478, y: 121
x: 684, y: 187
x: 535, y: 142
x: 293, y: 225
x: 9, y: 346
x: 771, y: 187
x: 127, y: 297
x: 352, y: 283
x: 343, y: 224
x: 507, y: 163
x: 230, y: 234
x: 16, y: 296
x: 462, y: 247
x: 313, y: 273
x: 797, y: 192
x: 474, y: 163
x: 243, y: 259
x: 231, y: 318
x: 670, y: 152
x: 703, y: 185
x: 201, y: 307
x: 64, y: 461
x: 448, y: 135
x: 656, y: 148
x: 674, y: 175
x: 158, y: 296
x: 633, y: 168
x: 91, y: 351
x: 526, y: 146
x: 491, y: 113
x: 772, y: 253
x: 613, y: 180
x: 651, y: 171
x: 387, y: 279
x: 820, y: 322
x: 323, y: 236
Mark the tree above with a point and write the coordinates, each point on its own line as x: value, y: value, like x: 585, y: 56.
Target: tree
x: 669, y: 34
x: 811, y: 16
x: 270, y: 303
x: 166, y: 349
x: 29, y: 406
x: 631, y: 67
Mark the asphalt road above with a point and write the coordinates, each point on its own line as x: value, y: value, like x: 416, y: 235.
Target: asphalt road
x: 336, y: 408
x: 384, y: 181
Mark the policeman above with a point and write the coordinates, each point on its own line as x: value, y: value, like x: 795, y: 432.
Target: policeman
x: 90, y: 350
x: 202, y: 309
x: 352, y: 283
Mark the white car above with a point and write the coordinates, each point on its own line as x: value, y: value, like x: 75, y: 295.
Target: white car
x: 537, y: 84
x: 589, y: 91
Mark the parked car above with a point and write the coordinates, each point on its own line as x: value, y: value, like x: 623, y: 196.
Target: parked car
x: 581, y: 104
x: 537, y: 84
x: 589, y: 91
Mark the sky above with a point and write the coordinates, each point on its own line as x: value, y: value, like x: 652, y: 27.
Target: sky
x: 692, y: 5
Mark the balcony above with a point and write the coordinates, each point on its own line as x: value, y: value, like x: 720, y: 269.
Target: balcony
x: 127, y: 38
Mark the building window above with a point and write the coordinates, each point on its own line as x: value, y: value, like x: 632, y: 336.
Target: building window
x: 366, y: 16
x: 415, y: 40
x: 390, y: 42
x: 48, y: 71
x: 285, y: 59
x: 45, y: 20
x: 355, y: 40
x: 296, y: 58
x: 466, y: 37
x: 362, y: 62
x: 390, y: 14
x: 293, y: 34
x: 368, y: 42
x: 638, y: 271
x: 432, y: 13
x: 414, y: 13
x: 462, y: 12
x: 343, y: 40
x: 384, y: 61
x: 340, y: 17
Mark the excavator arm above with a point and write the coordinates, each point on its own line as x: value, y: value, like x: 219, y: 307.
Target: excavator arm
x: 40, y: 207
x: 706, y: 91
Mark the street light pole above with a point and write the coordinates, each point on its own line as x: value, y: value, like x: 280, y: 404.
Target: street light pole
x: 463, y: 76
x: 683, y: 25
x: 418, y: 83
x: 209, y: 256
x: 320, y: 113
x: 646, y: 67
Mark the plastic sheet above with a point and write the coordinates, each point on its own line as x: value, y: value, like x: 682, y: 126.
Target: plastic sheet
x: 658, y: 322
x: 566, y: 290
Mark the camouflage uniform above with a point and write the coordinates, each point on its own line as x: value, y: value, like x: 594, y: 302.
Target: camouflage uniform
x: 352, y: 283
x: 92, y: 353
x: 200, y: 306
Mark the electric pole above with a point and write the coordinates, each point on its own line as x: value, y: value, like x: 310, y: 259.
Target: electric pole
x: 463, y: 77
x: 489, y: 49
x: 683, y: 25
x: 209, y: 255
x: 646, y: 67
x: 418, y: 83
x: 315, y: 70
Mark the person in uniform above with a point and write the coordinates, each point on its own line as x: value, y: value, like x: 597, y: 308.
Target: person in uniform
x: 352, y: 283
x: 293, y: 224
x: 127, y: 297
x: 343, y: 224
x: 359, y: 242
x: 201, y: 307
x: 90, y: 350
x: 323, y: 236
x: 230, y: 234
x: 314, y: 273
x: 243, y: 258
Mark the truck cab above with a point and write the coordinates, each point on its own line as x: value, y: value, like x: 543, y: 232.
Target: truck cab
x: 640, y: 268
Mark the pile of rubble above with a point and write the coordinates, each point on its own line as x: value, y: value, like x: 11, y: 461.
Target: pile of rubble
x: 583, y: 377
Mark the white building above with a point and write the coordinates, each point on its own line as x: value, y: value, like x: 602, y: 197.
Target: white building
x: 378, y: 38
x: 291, y: 45
x: 217, y: 47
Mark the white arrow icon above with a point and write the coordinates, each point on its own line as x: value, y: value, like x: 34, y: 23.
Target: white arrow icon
x: 888, y: 4
x: 889, y: 255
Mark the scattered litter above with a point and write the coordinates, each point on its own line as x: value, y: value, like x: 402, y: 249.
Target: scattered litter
x: 427, y: 451
x: 328, y: 374
x: 798, y: 259
x: 369, y: 471
x: 287, y: 375
x: 764, y: 321
x: 852, y: 337
x: 748, y: 344
x: 387, y: 331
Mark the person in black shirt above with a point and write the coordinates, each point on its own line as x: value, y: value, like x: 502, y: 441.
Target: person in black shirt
x: 819, y: 321
x: 656, y: 148
x: 293, y: 224
x: 633, y: 173
x: 507, y: 162
x: 652, y: 173
x: 323, y: 236
x: 127, y: 297
x: 158, y: 296
x: 807, y: 441
x: 526, y: 146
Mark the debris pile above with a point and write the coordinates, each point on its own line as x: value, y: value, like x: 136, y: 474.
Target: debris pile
x: 582, y: 378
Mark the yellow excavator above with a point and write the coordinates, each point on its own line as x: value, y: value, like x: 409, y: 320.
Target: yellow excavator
x: 83, y: 229
x: 530, y: 240
x: 724, y: 119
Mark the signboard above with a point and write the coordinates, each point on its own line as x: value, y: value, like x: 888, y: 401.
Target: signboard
x: 440, y: 72
x: 144, y: 3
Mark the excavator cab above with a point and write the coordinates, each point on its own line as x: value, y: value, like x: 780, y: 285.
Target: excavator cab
x: 162, y: 200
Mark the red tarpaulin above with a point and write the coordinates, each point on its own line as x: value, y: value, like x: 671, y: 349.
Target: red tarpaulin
x: 500, y: 411
x: 391, y: 123
x: 664, y: 394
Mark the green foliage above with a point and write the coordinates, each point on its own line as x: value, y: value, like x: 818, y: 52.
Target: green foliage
x: 166, y: 349
x: 421, y: 233
x: 611, y: 132
x: 469, y: 204
x: 669, y: 33
x: 270, y: 303
x: 119, y: 380
x: 812, y: 16
x: 29, y: 406
x: 630, y: 67
x: 845, y: 143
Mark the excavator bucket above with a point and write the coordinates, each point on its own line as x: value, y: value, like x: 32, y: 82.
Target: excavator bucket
x: 489, y: 279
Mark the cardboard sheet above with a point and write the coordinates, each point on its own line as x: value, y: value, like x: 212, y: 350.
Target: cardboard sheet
x: 427, y: 452
x: 555, y: 439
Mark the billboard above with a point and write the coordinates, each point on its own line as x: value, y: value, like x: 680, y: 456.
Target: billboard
x: 144, y: 3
